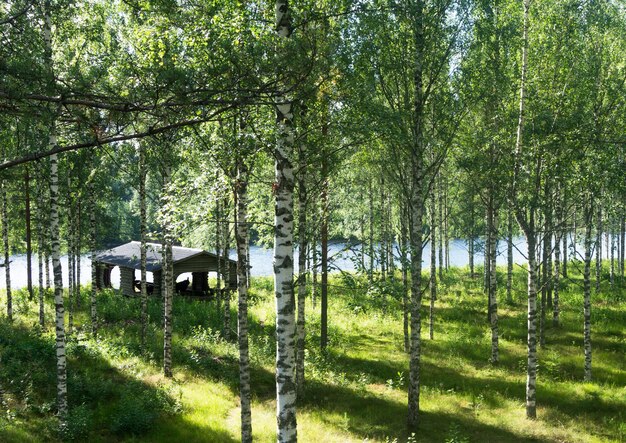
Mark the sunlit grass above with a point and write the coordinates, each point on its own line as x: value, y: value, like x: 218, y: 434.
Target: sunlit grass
x: 355, y: 392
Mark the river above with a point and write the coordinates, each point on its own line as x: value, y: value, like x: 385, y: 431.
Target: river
x: 261, y: 261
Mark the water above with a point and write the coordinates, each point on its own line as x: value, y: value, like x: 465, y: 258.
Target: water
x: 341, y: 258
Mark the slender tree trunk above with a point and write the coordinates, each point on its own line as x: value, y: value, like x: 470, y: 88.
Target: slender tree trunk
x: 612, y: 258
x: 168, y: 293
x: 7, y: 253
x: 315, y: 267
x: 370, y: 274
x: 416, y: 206
x: 509, y: 258
x: 40, y: 245
x: 439, y: 227
x: 324, y: 239
x: 527, y: 223
x: 470, y: 253
x: 598, y: 249
x: 622, y: 254
x: 283, y: 253
x: 62, y: 408
x: 587, y: 287
x: 574, y: 254
x: 493, y: 299
x: 531, y: 375
x: 564, y: 233
x: 58, y: 283
x: 382, y: 244
x: 302, y: 271
x: 405, y: 280
x: 78, y: 245
x: 218, y: 250
x: 446, y: 232
x: 70, y: 251
x: 241, y: 238
x: 143, y: 238
x: 227, y: 290
x: 93, y: 246
x: 433, y: 264
x: 29, y: 247
x: 557, y: 267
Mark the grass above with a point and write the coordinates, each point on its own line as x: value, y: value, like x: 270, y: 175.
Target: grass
x: 355, y: 392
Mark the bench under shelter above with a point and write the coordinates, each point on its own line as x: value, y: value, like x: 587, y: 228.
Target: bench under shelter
x: 195, y: 261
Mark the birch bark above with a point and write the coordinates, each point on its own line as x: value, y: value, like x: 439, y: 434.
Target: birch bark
x: 283, y: 252
x: 241, y: 238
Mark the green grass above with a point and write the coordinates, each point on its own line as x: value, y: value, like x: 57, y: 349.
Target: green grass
x: 356, y: 392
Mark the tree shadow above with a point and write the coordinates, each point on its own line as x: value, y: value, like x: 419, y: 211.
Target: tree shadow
x: 106, y: 404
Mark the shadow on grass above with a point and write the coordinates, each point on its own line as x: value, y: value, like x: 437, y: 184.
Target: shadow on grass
x: 105, y: 403
x: 369, y: 416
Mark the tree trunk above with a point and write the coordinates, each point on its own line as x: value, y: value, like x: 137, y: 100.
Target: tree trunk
x: 598, y: 249
x: 557, y: 267
x: 227, y: 290
x: 446, y: 232
x: 77, y: 244
x: 40, y: 244
x: 218, y: 249
x: 622, y: 254
x: 433, y: 264
x: 527, y: 223
x: 302, y: 271
x: 370, y: 274
x: 283, y: 253
x: 324, y: 240
x: 29, y: 246
x: 168, y: 289
x: 587, y: 287
x: 493, y: 299
x: 439, y: 226
x: 93, y: 246
x: 144, y: 239
x: 7, y: 253
x: 416, y: 206
x: 509, y: 258
x: 241, y: 238
x: 70, y: 250
x: 612, y: 247
x: 405, y: 280
x: 382, y: 245
x: 531, y: 375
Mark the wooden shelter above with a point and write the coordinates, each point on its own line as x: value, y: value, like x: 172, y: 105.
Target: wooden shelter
x: 196, y: 261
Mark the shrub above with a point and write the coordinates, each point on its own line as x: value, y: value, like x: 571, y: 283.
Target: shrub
x: 79, y: 421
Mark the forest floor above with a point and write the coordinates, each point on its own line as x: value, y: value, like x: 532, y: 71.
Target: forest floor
x: 354, y: 393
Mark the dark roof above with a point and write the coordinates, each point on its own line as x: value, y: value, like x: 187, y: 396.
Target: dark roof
x: 129, y: 255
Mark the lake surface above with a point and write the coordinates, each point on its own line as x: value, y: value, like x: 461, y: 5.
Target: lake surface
x: 341, y: 258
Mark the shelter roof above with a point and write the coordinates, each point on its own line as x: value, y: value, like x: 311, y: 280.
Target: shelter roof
x: 129, y: 255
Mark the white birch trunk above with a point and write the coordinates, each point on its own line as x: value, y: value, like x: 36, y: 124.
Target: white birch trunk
x: 283, y: 254
x: 168, y: 289
x: 241, y: 238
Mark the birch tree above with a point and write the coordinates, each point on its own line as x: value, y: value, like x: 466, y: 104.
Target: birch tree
x: 283, y: 250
